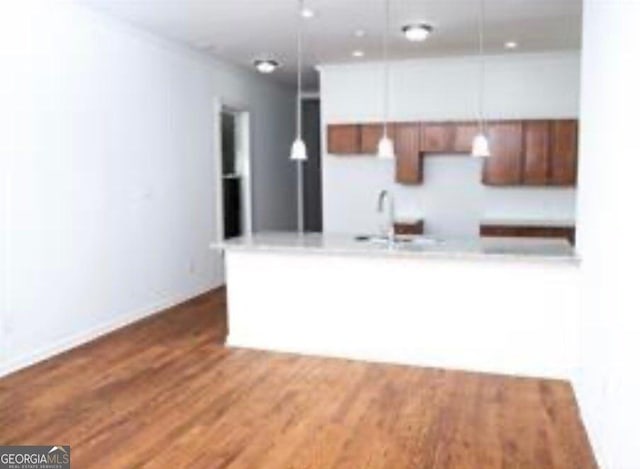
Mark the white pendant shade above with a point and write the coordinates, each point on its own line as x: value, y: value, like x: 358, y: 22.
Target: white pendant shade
x: 385, y: 148
x: 480, y: 146
x: 298, y: 150
x: 385, y: 145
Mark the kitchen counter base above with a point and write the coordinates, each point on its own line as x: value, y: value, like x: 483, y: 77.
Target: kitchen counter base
x: 517, y: 318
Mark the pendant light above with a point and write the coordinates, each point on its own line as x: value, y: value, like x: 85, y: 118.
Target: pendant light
x: 298, y: 148
x: 385, y: 145
x: 480, y: 147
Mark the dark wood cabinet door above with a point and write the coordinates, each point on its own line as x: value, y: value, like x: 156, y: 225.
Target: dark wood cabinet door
x: 537, y: 152
x: 523, y: 153
x: 409, y: 228
x: 343, y: 139
x: 463, y: 134
x: 371, y: 135
x: 518, y: 231
x: 436, y: 138
x: 504, y: 166
x: 564, y: 152
x: 408, y: 158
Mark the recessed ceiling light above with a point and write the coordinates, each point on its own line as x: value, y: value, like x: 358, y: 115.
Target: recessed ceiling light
x: 266, y: 65
x: 511, y: 45
x: 358, y: 54
x: 359, y: 33
x: 307, y: 13
x: 417, y: 32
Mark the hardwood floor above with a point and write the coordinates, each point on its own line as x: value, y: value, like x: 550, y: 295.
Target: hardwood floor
x: 164, y: 393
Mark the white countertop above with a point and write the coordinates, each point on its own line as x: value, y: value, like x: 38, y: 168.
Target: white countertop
x: 543, y: 222
x: 514, y: 249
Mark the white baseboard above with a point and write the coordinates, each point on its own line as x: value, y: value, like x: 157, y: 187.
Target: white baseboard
x: 75, y: 340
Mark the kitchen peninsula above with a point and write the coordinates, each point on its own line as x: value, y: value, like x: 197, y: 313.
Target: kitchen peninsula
x: 482, y: 304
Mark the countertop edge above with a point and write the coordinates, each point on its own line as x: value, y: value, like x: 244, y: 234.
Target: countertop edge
x: 570, y: 260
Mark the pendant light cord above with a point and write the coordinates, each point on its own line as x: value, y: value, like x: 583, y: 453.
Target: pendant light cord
x: 385, y: 59
x: 299, y: 73
x: 299, y: 163
x: 481, y: 69
x: 300, y: 195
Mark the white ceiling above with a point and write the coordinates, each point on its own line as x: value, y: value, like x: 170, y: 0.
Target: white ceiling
x: 242, y: 30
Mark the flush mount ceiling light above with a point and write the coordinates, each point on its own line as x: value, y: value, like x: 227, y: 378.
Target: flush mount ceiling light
x: 266, y: 65
x: 358, y: 54
x: 417, y: 32
x: 511, y: 45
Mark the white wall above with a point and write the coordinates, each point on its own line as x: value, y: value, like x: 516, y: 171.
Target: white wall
x: 517, y: 86
x: 608, y: 231
x: 109, y: 175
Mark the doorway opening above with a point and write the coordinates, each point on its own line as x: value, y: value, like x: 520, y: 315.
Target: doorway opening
x: 235, y: 217
x: 311, y: 130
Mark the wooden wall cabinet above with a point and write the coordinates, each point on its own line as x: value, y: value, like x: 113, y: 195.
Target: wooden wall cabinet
x: 551, y: 153
x: 408, y: 157
x: 344, y: 139
x: 537, y: 153
x: 546, y: 156
x: 436, y: 138
x: 564, y: 152
x: 504, y: 167
x: 523, y: 152
x: 463, y: 137
x: 409, y: 227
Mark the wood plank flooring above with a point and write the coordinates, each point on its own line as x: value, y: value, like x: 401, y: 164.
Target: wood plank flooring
x: 164, y: 393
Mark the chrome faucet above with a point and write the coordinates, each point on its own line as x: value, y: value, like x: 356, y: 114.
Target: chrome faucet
x: 391, y: 216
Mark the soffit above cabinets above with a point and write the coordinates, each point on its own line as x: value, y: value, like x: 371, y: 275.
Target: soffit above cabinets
x: 243, y: 30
